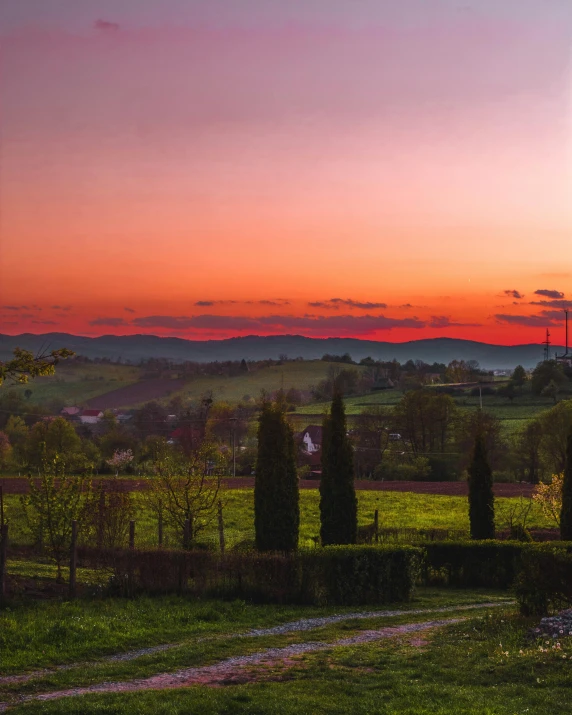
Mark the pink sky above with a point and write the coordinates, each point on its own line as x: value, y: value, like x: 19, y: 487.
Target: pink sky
x: 221, y: 172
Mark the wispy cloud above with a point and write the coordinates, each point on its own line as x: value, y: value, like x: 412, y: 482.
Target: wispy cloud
x: 129, y: 310
x: 549, y: 293
x: 337, y: 303
x: 531, y: 321
x: 444, y: 321
x: 61, y: 307
x: 342, y: 324
x: 553, y: 303
x: 111, y: 322
x: 106, y: 26
x: 513, y: 294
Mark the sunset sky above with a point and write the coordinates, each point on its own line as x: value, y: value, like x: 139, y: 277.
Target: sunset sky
x: 209, y: 168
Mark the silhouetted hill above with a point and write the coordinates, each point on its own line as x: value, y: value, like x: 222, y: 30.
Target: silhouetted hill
x: 255, y: 347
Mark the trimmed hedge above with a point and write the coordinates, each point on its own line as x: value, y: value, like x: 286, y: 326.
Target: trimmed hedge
x: 334, y: 575
x: 545, y: 580
x: 540, y: 573
x: 355, y: 575
x: 472, y: 564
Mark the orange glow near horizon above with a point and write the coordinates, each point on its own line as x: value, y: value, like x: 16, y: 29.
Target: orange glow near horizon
x: 211, y: 179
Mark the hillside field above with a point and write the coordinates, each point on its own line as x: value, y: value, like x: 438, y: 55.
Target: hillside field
x: 112, y: 386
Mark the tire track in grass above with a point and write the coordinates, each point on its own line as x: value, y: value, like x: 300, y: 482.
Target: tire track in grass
x: 303, y: 624
x: 234, y: 670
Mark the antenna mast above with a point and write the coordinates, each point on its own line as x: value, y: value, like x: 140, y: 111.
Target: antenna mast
x: 546, y: 344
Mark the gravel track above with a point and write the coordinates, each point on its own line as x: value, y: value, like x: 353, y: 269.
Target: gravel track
x: 304, y: 624
x: 236, y: 669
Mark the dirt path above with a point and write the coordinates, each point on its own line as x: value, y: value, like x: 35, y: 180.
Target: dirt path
x: 237, y: 669
x: 304, y: 624
x: 247, y: 668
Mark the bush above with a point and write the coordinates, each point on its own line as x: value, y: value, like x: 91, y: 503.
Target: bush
x: 545, y: 580
x: 356, y: 575
x: 472, y: 564
x: 541, y: 573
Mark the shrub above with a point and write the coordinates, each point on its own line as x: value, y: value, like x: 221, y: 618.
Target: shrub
x: 545, y: 580
x: 471, y: 564
x: 356, y: 575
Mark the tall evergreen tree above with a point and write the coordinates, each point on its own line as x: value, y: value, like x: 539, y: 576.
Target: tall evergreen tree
x: 481, y: 497
x: 276, y: 497
x: 566, y: 511
x: 338, y: 502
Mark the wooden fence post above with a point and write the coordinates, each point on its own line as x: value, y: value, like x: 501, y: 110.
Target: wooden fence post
x: 187, y: 534
x: 3, y: 553
x: 220, y: 528
x: 73, y: 560
x: 100, y: 517
x: 376, y: 525
x: 131, y: 535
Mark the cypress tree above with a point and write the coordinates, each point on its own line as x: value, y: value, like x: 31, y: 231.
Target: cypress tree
x: 566, y: 511
x: 276, y: 497
x: 338, y: 502
x: 481, y: 497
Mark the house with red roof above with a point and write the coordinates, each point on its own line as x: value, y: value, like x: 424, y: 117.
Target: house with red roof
x: 90, y: 417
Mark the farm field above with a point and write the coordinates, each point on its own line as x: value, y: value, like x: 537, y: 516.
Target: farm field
x: 103, y: 386
x: 441, y: 653
x: 400, y: 510
x: 75, y: 384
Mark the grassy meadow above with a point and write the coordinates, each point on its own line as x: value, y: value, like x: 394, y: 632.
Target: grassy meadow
x: 396, y: 510
x: 75, y: 383
x: 483, y: 663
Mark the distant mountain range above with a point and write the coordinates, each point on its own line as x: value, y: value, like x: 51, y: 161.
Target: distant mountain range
x: 255, y: 347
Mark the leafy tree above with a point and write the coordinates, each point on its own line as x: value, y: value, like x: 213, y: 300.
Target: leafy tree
x: 566, y: 509
x: 555, y: 428
x: 549, y: 497
x: 338, y: 502
x: 25, y: 364
x: 528, y: 451
x: 53, y: 501
x: 181, y: 490
x: 50, y: 438
x: 481, y: 497
x: 106, y: 513
x: 117, y: 439
x: 551, y: 390
x: 121, y: 459
x: 425, y: 419
x: 519, y: 376
x: 508, y: 391
x: 544, y: 373
x: 18, y: 433
x: 468, y: 426
x: 5, y: 450
x: 276, y: 496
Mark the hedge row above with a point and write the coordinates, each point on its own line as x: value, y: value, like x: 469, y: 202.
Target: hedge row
x: 335, y: 575
x: 540, y: 573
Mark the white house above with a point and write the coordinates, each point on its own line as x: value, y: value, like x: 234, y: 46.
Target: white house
x: 312, y: 438
x: 90, y: 417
